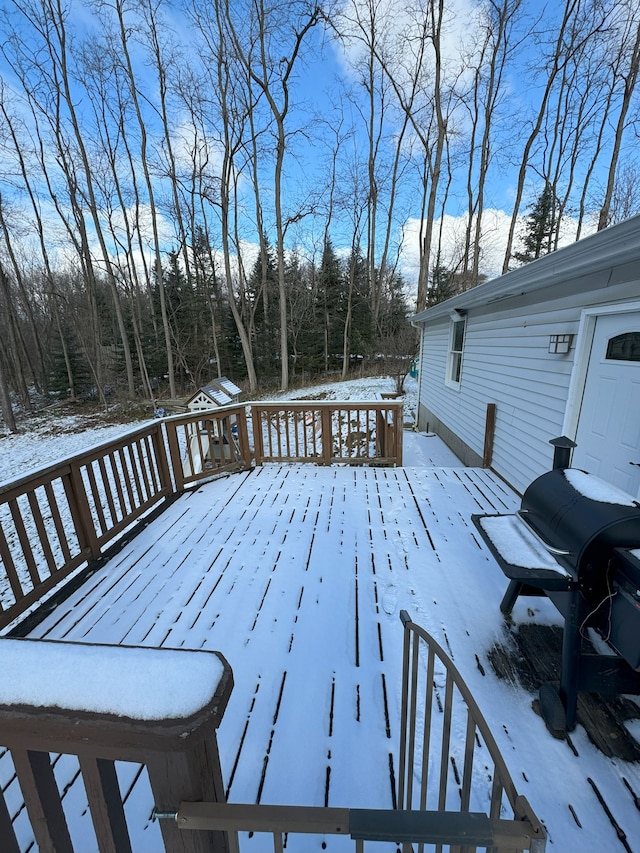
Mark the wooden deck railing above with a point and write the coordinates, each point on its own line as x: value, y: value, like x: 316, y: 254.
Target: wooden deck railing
x: 75, y: 701
x: 328, y: 432
x: 59, y: 519
x: 104, y: 720
x: 452, y: 768
x: 459, y: 775
x: 205, y: 443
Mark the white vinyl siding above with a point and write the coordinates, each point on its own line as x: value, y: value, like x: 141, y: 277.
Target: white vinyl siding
x: 506, y: 362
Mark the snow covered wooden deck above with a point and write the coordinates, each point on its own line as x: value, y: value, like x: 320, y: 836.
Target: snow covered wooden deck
x: 297, y: 574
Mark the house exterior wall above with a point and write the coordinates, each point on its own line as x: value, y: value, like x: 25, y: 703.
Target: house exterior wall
x: 506, y: 362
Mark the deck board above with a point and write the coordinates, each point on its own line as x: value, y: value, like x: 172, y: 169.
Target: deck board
x: 297, y: 575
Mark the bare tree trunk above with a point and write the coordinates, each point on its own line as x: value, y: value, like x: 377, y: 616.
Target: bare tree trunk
x: 562, y: 52
x: 18, y: 350
x: 498, y: 31
x: 275, y: 73
x: 119, y: 7
x: 5, y: 398
x: 629, y: 86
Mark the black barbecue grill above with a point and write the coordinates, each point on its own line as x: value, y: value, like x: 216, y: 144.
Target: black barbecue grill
x: 576, y: 539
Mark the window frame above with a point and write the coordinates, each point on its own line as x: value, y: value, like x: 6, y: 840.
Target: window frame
x: 455, y: 356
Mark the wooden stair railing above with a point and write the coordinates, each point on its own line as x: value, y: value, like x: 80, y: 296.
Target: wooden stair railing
x: 104, y: 704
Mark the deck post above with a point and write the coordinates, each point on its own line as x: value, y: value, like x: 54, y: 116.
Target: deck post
x: 258, y: 443
x: 197, y: 775
x: 178, y: 747
x: 243, y: 436
x: 489, y: 433
x: 80, y: 512
x: 327, y: 437
x: 174, y: 452
x: 161, y: 459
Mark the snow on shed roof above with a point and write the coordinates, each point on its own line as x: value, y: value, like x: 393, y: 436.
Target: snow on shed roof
x: 227, y: 386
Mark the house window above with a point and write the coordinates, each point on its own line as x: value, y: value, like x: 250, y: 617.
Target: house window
x: 624, y: 347
x: 455, y: 351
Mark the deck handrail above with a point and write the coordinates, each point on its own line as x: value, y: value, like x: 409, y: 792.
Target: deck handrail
x: 61, y: 518
x: 454, y: 830
x: 328, y: 431
x: 179, y: 751
x: 422, y: 692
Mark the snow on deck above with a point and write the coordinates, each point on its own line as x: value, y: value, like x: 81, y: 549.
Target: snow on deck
x: 297, y: 575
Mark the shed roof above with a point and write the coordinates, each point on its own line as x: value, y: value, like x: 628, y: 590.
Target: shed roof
x: 597, y: 253
x: 227, y: 386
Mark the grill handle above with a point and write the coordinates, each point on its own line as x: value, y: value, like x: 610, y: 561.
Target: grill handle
x: 557, y: 552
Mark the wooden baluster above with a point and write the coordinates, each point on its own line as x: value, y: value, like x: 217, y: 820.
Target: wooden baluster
x: 105, y: 804
x: 42, y: 799
x: 7, y: 834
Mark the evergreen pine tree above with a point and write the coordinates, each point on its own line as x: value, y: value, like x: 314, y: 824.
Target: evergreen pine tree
x: 539, y: 227
x: 58, y: 375
x: 331, y: 304
x: 262, y: 288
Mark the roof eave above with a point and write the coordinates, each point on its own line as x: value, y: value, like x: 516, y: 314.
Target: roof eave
x: 617, y: 245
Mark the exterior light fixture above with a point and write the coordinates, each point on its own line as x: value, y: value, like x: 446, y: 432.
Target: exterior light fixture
x: 560, y: 344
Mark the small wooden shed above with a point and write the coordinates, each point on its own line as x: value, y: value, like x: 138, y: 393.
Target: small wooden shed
x: 208, y: 397
x: 214, y: 438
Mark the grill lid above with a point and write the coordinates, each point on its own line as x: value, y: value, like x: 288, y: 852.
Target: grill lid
x: 580, y: 517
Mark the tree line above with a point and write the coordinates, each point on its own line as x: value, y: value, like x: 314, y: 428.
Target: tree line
x: 178, y: 198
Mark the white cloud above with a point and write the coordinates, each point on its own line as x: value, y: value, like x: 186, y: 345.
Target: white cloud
x: 495, y: 231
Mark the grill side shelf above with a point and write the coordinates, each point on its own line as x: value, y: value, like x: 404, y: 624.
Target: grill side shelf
x: 522, y: 556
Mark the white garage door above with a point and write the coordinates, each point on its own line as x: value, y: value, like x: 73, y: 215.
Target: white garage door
x: 608, y: 434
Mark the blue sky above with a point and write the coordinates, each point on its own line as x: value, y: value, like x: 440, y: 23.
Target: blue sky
x: 328, y: 101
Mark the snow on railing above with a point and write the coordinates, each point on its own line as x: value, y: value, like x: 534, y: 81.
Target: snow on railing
x: 86, y: 724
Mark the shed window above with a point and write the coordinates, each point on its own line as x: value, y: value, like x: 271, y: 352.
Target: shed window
x: 624, y: 347
x: 455, y: 351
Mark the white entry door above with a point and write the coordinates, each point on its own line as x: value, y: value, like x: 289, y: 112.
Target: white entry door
x: 608, y: 435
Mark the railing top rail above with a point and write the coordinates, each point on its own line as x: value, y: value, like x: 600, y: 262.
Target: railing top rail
x: 58, y: 694
x: 202, y: 414
x: 326, y: 404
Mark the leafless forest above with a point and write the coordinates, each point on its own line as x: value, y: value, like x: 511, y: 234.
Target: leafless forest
x: 201, y: 187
